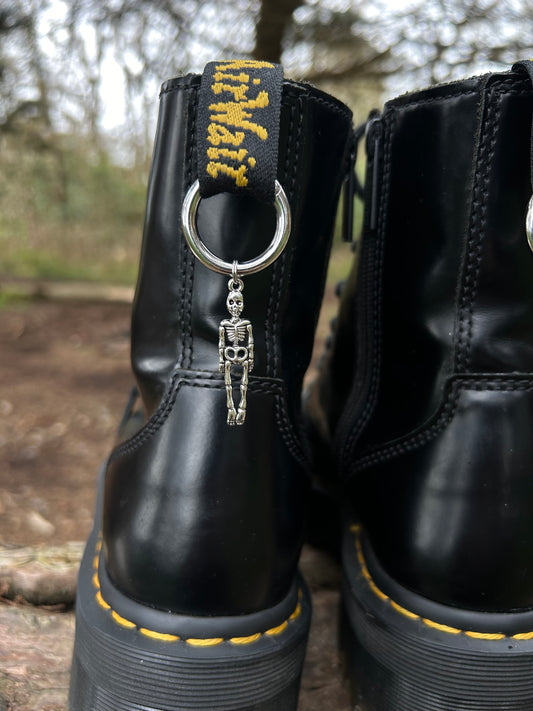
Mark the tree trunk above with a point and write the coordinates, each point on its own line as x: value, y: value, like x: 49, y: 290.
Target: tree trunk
x: 274, y: 18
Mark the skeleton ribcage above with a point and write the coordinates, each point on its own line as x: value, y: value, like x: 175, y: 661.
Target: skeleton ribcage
x: 236, y: 333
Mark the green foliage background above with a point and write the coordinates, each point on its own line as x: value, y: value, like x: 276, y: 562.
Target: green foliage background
x: 67, y: 213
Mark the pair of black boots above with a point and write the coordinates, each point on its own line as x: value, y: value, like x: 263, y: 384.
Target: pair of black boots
x: 419, y: 428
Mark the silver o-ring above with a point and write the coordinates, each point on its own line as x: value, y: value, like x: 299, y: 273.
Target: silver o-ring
x: 208, y: 259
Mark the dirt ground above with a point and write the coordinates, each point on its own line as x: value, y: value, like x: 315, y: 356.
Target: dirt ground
x: 64, y: 381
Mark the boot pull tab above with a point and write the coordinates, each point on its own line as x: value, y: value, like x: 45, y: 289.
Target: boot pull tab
x: 237, y: 132
x: 526, y: 66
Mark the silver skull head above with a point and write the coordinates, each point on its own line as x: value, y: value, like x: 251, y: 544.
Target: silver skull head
x: 234, y: 302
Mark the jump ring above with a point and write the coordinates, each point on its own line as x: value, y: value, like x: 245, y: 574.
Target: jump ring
x: 235, y: 284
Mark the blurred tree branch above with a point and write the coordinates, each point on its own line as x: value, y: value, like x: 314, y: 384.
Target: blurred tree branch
x: 56, y: 57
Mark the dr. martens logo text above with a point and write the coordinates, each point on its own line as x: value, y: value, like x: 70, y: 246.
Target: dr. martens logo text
x: 234, y: 117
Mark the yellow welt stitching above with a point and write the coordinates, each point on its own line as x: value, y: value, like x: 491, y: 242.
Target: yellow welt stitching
x: 523, y: 635
x: 95, y: 562
x: 204, y: 642
x: 377, y: 591
x: 122, y: 620
x: 365, y: 571
x: 403, y: 611
x: 277, y: 630
x: 246, y: 640
x: 159, y: 635
x: 209, y: 642
x: 296, y: 613
x: 441, y: 628
x: 101, y: 601
x: 484, y: 635
x: 361, y: 558
x: 98, y: 546
x: 489, y: 636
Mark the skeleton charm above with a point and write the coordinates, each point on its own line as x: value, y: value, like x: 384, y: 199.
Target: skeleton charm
x: 235, y: 348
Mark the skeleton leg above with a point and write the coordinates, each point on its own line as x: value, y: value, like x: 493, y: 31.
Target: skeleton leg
x: 229, y: 393
x: 241, y: 415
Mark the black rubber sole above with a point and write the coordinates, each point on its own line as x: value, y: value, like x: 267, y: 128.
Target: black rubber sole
x: 131, y: 658
x: 400, y: 659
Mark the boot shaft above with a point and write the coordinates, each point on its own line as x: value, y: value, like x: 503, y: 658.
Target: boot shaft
x: 217, y: 511
x: 432, y: 438
x: 450, y: 251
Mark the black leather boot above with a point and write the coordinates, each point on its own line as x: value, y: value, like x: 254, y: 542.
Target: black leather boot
x: 189, y: 596
x: 426, y: 400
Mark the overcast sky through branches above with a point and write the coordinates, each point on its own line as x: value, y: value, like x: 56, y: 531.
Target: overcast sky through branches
x: 98, y: 64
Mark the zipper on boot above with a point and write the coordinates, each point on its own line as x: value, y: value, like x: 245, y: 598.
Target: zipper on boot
x: 357, y: 403
x: 373, y: 138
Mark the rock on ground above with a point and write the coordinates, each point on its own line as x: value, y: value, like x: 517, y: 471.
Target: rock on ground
x: 35, y: 649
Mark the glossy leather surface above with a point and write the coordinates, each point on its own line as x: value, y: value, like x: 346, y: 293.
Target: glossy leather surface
x: 501, y: 327
x: 452, y: 518
x: 201, y: 518
x: 434, y: 439
x: 159, y: 326
x: 424, y: 202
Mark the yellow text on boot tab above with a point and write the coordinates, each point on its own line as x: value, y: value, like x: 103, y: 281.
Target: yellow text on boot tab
x: 228, y: 116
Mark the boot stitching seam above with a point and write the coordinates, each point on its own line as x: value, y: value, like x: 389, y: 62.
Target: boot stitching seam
x: 283, y: 420
x: 486, y: 636
x: 442, y: 418
x: 476, y: 232
x: 193, y: 641
x: 183, y: 251
x: 167, y: 404
x: 478, y: 221
x: 379, y: 246
x: 281, y: 267
x: 270, y: 335
x: 291, y: 89
x: 417, y: 103
x: 189, y: 259
x: 514, y: 85
x: 447, y: 410
x: 292, y: 442
x: 332, y: 107
x: 179, y: 85
x: 161, y: 415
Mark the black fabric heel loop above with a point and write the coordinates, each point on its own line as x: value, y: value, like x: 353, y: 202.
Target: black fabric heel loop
x: 238, y: 128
